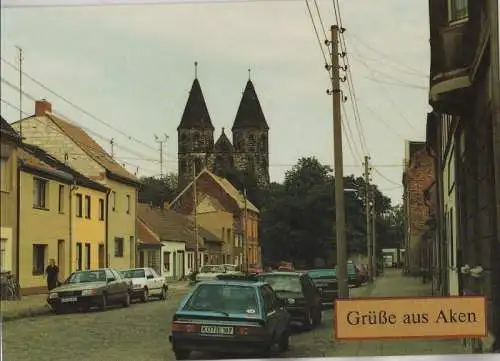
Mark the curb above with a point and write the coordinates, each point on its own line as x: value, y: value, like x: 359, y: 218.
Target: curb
x: 46, y: 310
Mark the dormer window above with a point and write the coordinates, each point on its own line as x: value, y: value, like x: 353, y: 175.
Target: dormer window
x: 458, y: 10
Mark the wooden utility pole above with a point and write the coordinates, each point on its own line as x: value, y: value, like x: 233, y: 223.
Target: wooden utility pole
x: 195, y: 221
x: 369, y: 238
x: 245, y: 244
x: 338, y: 165
x: 20, y: 50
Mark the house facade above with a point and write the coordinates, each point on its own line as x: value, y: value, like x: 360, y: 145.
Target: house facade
x: 73, y: 146
x: 9, y: 202
x: 463, y: 133
x: 49, y: 219
x: 149, y: 247
x: 216, y: 199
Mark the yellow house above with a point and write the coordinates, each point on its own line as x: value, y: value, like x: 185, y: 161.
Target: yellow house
x: 50, y: 222
x: 9, y: 141
x: 71, y: 145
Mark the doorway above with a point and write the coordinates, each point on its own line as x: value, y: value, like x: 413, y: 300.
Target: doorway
x: 102, y: 255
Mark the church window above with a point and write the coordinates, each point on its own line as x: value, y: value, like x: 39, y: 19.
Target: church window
x: 196, y: 142
x: 251, y: 143
x: 263, y: 143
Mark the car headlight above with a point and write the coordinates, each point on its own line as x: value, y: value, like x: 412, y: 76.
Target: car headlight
x: 89, y: 292
x: 291, y: 301
x: 53, y: 295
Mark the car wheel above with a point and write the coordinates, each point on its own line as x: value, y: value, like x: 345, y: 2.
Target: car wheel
x: 145, y: 295
x: 163, y: 293
x: 284, y: 341
x: 182, y: 354
x: 308, y: 320
x: 104, y: 303
x: 126, y: 301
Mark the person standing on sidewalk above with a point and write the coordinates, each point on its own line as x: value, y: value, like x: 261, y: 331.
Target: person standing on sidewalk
x: 52, y: 272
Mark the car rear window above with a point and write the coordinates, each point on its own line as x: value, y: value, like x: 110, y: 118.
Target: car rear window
x: 223, y: 298
x: 322, y: 273
x: 283, y: 283
x: 134, y: 273
x: 211, y: 269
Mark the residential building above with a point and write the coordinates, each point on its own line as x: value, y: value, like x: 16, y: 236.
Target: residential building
x: 249, y: 150
x: 9, y: 201
x: 463, y: 132
x: 216, y: 199
x: 176, y: 233
x: 50, y: 224
x: 418, y: 176
x: 148, y: 247
x: 72, y: 145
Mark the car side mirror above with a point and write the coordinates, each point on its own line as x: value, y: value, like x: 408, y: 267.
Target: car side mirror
x: 149, y: 277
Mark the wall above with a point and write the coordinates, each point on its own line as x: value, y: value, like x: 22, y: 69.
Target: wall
x: 8, y: 206
x: 220, y: 223
x: 40, y: 226
x: 121, y: 223
x: 252, y: 238
x: 91, y: 231
x: 177, y: 250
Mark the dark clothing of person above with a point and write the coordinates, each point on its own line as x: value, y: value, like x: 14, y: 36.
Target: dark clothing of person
x: 52, y: 273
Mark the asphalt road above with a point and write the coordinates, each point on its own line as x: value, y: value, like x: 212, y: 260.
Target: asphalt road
x: 137, y: 333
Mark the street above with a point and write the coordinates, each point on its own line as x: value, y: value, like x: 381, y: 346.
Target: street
x: 141, y: 333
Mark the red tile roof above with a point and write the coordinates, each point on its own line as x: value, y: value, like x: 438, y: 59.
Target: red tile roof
x: 146, y: 235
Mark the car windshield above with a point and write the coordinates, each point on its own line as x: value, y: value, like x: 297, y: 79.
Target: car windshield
x: 283, y: 283
x: 322, y: 273
x: 87, y: 276
x: 211, y: 269
x: 134, y: 273
x: 223, y: 298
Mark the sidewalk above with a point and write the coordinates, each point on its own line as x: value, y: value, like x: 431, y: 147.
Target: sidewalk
x: 394, y: 284
x: 36, y: 305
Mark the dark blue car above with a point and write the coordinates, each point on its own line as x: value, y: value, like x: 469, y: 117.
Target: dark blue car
x: 241, y: 317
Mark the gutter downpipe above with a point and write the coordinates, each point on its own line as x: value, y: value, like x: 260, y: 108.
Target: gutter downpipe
x: 18, y: 223
x: 106, y: 225
x: 72, y: 188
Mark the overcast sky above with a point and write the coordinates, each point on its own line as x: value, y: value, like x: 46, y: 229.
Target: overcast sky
x: 132, y: 67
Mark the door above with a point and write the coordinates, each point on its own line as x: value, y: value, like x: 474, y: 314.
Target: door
x: 88, y: 257
x: 151, y: 281
x: 121, y: 284
x: 271, y: 313
x: 174, y: 265
x: 61, y: 260
x: 102, y: 255
x: 112, y: 285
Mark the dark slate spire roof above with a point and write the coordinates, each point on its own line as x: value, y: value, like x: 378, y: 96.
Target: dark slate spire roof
x: 250, y: 114
x: 196, y: 112
x: 223, y: 144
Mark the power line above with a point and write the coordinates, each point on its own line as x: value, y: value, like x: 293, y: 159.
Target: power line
x: 316, y: 32
x: 384, y: 177
x: 77, y: 106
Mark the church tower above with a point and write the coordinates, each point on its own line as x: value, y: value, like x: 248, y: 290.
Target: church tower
x: 195, y: 136
x: 250, y: 136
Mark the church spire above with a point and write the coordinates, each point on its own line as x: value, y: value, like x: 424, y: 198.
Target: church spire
x: 250, y: 114
x: 196, y: 115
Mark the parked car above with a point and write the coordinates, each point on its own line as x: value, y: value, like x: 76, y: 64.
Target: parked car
x: 209, y: 272
x: 353, y: 275
x: 233, y: 317
x: 254, y: 269
x: 230, y: 268
x: 145, y: 283
x: 303, y: 300
x: 90, y: 288
x: 325, y: 281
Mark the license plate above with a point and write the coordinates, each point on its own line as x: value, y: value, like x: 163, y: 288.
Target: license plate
x: 69, y: 299
x: 217, y: 330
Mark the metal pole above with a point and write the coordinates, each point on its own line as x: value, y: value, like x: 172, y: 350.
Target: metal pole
x: 195, y: 221
x: 374, y: 235
x: 161, y: 159
x: 368, y: 221
x: 338, y: 164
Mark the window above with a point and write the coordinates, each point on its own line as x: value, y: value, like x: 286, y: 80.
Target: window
x: 39, y: 258
x: 87, y: 207
x: 228, y: 235
x: 128, y: 203
x: 3, y: 174
x: 118, y: 247
x: 39, y: 193
x: 79, y: 255
x: 458, y: 10
x: 61, y: 198
x: 166, y: 261
x: 223, y: 233
x: 79, y: 205
x: 3, y: 250
x: 113, y: 201
x: 87, y: 255
x: 101, y: 209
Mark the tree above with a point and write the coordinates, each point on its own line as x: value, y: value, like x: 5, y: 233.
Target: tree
x: 157, y: 191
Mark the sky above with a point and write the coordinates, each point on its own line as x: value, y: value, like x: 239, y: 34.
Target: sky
x: 124, y: 73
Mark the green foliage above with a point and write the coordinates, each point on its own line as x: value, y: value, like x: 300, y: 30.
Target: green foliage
x: 157, y: 191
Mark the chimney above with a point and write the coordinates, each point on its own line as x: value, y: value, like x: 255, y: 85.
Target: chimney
x: 42, y: 106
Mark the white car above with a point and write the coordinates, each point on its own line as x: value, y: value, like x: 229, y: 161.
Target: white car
x: 230, y: 268
x: 145, y: 283
x: 210, y: 272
